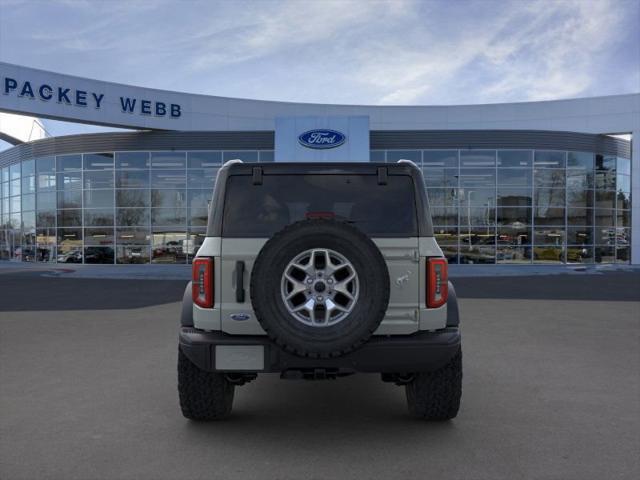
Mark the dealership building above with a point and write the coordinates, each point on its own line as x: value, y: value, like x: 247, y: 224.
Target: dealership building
x: 515, y: 183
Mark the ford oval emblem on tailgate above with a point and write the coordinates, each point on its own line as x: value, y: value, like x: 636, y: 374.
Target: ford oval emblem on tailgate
x: 240, y: 317
x: 322, y: 138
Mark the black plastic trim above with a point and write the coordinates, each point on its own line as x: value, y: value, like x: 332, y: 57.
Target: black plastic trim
x: 453, y: 314
x: 422, y: 351
x: 186, y: 315
x: 240, y: 281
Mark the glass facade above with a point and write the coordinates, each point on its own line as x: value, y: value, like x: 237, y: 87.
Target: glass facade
x: 526, y: 206
x: 110, y: 207
x: 488, y: 206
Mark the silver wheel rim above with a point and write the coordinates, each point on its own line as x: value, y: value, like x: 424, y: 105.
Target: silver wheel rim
x: 319, y: 287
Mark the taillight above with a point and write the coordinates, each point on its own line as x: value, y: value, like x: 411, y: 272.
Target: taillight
x: 202, y: 282
x: 437, y: 282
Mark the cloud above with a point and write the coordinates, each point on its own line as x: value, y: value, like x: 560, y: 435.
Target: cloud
x: 338, y: 51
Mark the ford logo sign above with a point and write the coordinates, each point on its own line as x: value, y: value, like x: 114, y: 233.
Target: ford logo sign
x: 240, y: 317
x: 322, y: 138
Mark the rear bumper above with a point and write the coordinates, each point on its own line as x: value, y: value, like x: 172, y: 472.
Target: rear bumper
x: 422, y: 351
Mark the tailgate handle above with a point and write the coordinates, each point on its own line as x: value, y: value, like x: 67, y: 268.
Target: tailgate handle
x: 240, y: 281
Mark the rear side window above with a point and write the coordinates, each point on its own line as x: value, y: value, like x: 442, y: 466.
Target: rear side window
x: 262, y: 210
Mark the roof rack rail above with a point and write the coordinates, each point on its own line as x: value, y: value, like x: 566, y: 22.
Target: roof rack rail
x: 232, y: 162
x: 410, y: 162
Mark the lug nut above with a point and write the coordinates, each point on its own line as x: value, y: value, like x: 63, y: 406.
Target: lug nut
x: 319, y: 298
x: 330, y: 280
x: 309, y: 281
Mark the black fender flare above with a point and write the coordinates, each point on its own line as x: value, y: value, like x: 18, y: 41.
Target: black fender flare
x: 186, y: 315
x: 453, y: 313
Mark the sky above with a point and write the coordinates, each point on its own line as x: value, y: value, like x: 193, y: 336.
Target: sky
x: 395, y: 52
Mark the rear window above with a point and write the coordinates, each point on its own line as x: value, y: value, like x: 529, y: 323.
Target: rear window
x: 262, y: 210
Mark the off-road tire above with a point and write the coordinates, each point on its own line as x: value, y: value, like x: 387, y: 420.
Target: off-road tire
x: 436, y: 395
x: 340, y: 338
x: 203, y: 395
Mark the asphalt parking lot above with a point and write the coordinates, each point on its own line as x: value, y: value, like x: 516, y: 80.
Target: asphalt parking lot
x: 551, y: 390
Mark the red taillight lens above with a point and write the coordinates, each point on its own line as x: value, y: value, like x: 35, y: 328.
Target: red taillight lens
x: 437, y: 282
x: 202, y: 282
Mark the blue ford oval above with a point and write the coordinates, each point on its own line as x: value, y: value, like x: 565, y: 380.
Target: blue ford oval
x: 322, y: 138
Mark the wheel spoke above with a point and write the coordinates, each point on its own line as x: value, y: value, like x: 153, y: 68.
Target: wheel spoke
x: 343, y: 285
x: 309, y: 287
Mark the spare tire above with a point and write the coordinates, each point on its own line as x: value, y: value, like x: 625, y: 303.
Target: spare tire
x: 320, y: 288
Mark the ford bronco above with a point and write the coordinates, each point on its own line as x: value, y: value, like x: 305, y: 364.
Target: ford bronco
x: 314, y: 271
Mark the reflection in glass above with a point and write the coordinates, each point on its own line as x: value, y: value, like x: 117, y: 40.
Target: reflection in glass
x: 583, y: 254
x: 98, y: 236
x: 46, y: 218
x: 46, y: 182
x: 168, y: 198
x: 168, y: 179
x: 195, y: 240
x: 132, y: 254
x: 69, y: 245
x: 202, y: 178
x: 70, y: 218
x: 444, y: 215
x: 450, y: 253
x: 434, y: 159
x: 605, y: 218
x: 605, y: 235
x: 133, y: 236
x: 198, y: 217
x: 132, y: 216
x: 136, y: 160
x: 68, y: 199
x: 68, y: 162
x: 516, y: 197
x: 29, y: 202
x: 482, y: 253
x: 442, y: 196
x: 605, y: 254
x: 580, y: 236
x: 512, y: 254
x: 440, y: 177
x: 549, y: 159
x: 514, y: 216
x: 69, y: 180
x: 514, y: 158
x: 97, y: 161
x: 28, y: 168
x: 169, y: 246
x: 579, y: 216
x: 446, y: 235
x: 548, y: 216
x: 132, y: 198
x: 98, y: 199
x: 98, y: 217
x: 549, y: 178
x: 548, y: 254
x: 169, y: 217
x: 549, y: 236
x: 623, y: 254
x: 132, y: 179
x: 102, y: 254
x: 43, y: 165
x: 477, y: 177
x: 514, y: 176
x: 28, y: 184
x: 514, y: 234
x: 98, y: 179
x: 477, y: 158
x: 582, y: 160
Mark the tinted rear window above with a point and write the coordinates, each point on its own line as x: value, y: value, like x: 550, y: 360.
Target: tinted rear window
x: 262, y: 210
